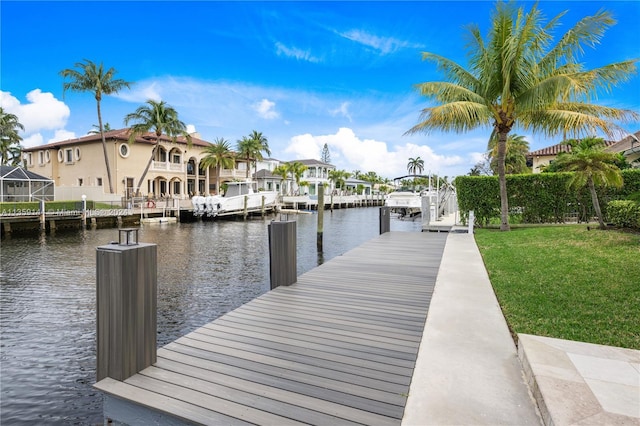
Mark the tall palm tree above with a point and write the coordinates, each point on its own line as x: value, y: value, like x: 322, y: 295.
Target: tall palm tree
x: 220, y: 156
x: 415, y: 166
x: 252, y: 147
x: 91, y: 77
x: 515, y: 161
x: 518, y: 78
x: 591, y: 166
x: 159, y: 118
x: 10, y: 139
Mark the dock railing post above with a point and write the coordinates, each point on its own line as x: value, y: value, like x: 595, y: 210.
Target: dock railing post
x: 320, y: 232
x: 282, y: 253
x: 126, y: 299
x: 385, y: 219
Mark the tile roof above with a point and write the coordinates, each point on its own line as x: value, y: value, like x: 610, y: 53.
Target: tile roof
x: 631, y: 141
x: 557, y: 149
x: 121, y: 135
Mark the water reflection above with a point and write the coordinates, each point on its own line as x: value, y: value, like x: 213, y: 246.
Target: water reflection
x: 47, y: 303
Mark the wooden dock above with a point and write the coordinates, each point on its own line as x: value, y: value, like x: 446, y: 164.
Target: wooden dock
x: 337, y: 347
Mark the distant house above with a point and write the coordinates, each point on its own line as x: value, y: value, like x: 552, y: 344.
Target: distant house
x: 629, y: 147
x: 357, y: 186
x: 18, y: 184
x: 317, y: 172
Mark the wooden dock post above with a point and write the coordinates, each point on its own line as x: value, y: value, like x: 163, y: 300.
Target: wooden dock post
x: 43, y: 217
x: 320, y: 216
x: 282, y: 253
x: 126, y: 306
x: 385, y: 219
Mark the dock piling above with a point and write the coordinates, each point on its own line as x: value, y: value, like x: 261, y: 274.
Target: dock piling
x: 385, y: 219
x: 282, y: 253
x: 126, y: 307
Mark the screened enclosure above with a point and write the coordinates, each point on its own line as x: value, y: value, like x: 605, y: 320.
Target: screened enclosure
x: 18, y: 184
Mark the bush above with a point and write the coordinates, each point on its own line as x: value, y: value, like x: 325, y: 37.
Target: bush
x: 624, y: 213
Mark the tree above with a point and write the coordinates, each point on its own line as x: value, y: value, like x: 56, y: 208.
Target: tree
x: 518, y: 78
x: 325, y: 157
x: 252, y: 147
x: 515, y: 160
x: 159, y: 118
x: 281, y: 171
x: 10, y: 149
x: 96, y: 127
x: 591, y: 166
x: 90, y: 77
x: 415, y: 166
x: 219, y: 156
x: 296, y: 169
x: 339, y: 177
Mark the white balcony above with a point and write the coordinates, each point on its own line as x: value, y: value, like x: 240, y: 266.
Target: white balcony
x: 166, y: 166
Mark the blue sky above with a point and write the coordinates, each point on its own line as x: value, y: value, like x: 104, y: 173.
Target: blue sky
x: 302, y: 73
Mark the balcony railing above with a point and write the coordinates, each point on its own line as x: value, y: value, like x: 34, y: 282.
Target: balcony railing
x: 166, y: 166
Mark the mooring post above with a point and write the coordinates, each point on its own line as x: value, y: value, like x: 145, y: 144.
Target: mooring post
x: 282, y: 253
x: 385, y: 219
x: 84, y: 211
x: 320, y: 216
x: 43, y: 217
x: 262, y: 206
x: 245, y: 213
x: 126, y: 299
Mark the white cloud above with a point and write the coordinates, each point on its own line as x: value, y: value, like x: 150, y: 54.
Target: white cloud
x: 62, y: 135
x: 384, y: 45
x: 32, y: 140
x: 350, y: 152
x: 266, y: 109
x: 42, y: 112
x: 191, y: 128
x: 294, y: 52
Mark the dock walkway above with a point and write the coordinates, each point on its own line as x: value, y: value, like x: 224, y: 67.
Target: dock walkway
x: 337, y: 347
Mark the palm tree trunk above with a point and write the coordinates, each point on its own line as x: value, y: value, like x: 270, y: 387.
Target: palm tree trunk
x: 146, y: 169
x: 502, y: 180
x: 596, y: 203
x: 104, y: 149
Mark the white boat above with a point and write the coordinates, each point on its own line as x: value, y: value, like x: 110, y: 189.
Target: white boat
x: 404, y: 203
x: 237, y: 197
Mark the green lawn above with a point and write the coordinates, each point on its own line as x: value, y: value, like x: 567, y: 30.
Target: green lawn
x: 567, y: 282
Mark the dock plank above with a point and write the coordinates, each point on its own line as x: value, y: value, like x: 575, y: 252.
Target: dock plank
x: 337, y: 347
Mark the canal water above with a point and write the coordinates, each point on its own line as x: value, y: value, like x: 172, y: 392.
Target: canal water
x: 205, y: 269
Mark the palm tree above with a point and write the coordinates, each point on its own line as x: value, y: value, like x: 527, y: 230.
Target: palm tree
x: 159, y: 118
x: 296, y: 169
x: 518, y: 78
x: 253, y: 146
x: 90, y: 77
x: 591, y: 166
x: 415, y: 166
x: 10, y: 148
x: 106, y: 128
x: 281, y: 171
x: 220, y: 156
x: 338, y: 177
x: 515, y: 161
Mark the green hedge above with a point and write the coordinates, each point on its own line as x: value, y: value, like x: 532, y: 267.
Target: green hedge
x: 624, y: 214
x: 538, y: 197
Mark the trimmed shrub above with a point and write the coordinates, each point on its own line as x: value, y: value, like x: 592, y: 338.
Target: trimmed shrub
x: 624, y: 213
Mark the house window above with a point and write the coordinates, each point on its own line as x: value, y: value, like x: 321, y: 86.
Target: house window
x: 123, y: 149
x: 68, y: 156
x: 28, y: 159
x: 176, y: 187
x: 80, y: 181
x: 41, y: 157
x: 176, y: 158
x: 77, y: 152
x: 98, y: 181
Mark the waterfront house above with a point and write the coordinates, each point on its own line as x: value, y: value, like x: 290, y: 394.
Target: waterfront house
x: 317, y: 172
x: 629, y: 147
x: 78, y: 165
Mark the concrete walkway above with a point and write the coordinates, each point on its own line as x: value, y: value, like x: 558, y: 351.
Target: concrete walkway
x: 469, y: 372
